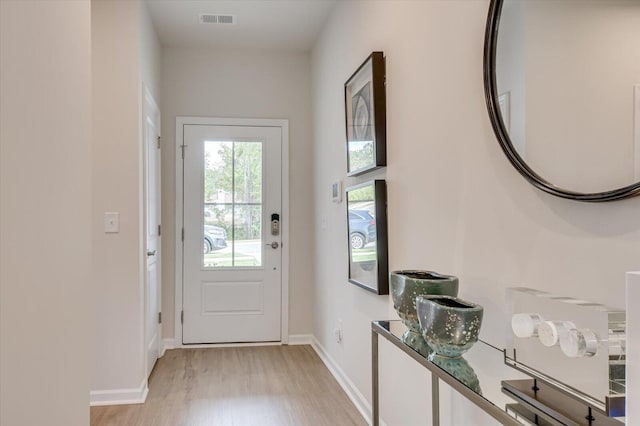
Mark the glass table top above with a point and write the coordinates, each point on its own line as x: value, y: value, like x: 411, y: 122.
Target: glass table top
x: 481, y: 369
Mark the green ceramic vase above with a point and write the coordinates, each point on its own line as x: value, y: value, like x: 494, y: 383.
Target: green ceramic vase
x: 460, y: 369
x: 407, y: 285
x: 416, y: 342
x: 449, y: 325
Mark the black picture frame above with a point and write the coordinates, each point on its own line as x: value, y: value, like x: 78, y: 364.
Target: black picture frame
x: 365, y: 116
x: 367, y: 218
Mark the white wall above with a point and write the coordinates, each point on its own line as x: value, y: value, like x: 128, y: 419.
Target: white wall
x: 455, y: 204
x: 511, y: 69
x: 45, y: 212
x: 150, y: 53
x: 125, y: 53
x: 581, y: 74
x: 573, y: 59
x: 243, y: 84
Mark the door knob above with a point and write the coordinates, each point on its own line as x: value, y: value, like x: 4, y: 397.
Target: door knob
x: 151, y: 253
x: 273, y: 245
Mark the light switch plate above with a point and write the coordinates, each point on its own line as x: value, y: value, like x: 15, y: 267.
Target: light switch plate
x: 111, y: 222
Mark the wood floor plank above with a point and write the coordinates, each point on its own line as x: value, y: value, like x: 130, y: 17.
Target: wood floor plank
x: 242, y: 386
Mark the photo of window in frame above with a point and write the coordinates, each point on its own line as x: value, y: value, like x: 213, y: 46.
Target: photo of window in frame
x: 365, y: 113
x: 367, y: 236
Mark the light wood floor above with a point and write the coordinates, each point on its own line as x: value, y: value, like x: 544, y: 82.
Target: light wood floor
x: 267, y: 385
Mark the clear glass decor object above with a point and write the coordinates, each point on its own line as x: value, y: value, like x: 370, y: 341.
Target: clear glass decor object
x: 551, y: 332
x: 526, y: 324
x: 574, y: 344
x: 580, y: 343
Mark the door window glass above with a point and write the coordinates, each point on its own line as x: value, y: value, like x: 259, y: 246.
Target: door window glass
x: 232, y: 204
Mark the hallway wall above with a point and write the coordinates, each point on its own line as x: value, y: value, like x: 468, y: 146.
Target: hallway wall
x: 45, y: 212
x: 242, y: 84
x: 125, y: 55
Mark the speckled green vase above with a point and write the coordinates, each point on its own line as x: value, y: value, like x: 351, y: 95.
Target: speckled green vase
x: 449, y: 325
x: 416, y: 342
x: 460, y: 369
x: 406, y: 285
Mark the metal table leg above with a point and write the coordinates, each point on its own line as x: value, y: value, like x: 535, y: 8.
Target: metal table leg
x: 375, y: 407
x: 435, y: 400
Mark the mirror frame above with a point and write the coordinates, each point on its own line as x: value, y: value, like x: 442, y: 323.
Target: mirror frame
x: 493, y: 107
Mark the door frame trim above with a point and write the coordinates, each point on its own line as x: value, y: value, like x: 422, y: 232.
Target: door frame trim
x: 149, y: 108
x: 181, y: 121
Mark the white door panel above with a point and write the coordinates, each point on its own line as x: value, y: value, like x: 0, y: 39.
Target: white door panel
x: 233, y: 298
x: 231, y: 273
x: 152, y: 329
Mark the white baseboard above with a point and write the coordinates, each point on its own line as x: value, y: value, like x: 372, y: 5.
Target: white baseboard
x: 172, y: 344
x: 343, y: 380
x: 300, y: 339
x: 166, y: 345
x: 119, y: 396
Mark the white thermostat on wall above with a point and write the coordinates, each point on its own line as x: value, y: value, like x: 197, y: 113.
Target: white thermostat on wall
x: 336, y: 191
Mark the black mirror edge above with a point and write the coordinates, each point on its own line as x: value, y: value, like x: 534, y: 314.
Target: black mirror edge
x: 491, y: 98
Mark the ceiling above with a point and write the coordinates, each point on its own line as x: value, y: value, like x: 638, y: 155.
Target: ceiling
x: 259, y: 24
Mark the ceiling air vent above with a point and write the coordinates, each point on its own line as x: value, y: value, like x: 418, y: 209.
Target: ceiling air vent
x: 208, y: 18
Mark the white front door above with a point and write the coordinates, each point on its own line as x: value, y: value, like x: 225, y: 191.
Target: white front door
x: 152, y: 230
x: 232, y: 242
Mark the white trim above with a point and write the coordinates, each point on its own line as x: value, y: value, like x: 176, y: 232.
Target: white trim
x: 636, y: 131
x: 229, y: 345
x: 343, y: 380
x: 173, y: 344
x: 284, y: 125
x: 167, y: 344
x: 150, y: 110
x: 300, y: 339
x: 177, y: 331
x: 284, y: 331
x: 119, y: 396
x: 155, y: 109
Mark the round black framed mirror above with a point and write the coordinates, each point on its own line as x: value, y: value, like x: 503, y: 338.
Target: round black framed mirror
x: 562, y: 87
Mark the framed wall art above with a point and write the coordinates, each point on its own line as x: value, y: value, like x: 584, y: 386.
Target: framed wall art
x: 365, y: 112
x: 367, y: 236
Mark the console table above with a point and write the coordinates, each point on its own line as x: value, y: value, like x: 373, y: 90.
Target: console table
x: 467, y: 375
x: 482, y: 376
